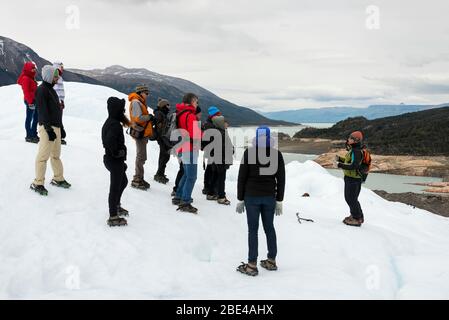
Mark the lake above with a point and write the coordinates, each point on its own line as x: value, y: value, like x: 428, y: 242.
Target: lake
x: 376, y: 181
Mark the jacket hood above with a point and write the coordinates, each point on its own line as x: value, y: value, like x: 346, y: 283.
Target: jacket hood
x: 116, y: 108
x: 183, y: 106
x: 27, y: 71
x: 48, y: 73
x: 135, y: 96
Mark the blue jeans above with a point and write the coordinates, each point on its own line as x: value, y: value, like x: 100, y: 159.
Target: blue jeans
x: 256, y: 207
x: 31, y: 122
x: 190, y: 165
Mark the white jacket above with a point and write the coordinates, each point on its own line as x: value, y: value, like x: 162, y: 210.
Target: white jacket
x: 59, y: 88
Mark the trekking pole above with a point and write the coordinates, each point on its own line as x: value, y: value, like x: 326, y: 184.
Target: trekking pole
x: 303, y: 219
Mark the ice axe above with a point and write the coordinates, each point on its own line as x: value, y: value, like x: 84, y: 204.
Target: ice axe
x: 303, y: 219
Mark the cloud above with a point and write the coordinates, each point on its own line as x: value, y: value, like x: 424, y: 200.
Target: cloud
x: 417, y: 84
x: 318, y: 94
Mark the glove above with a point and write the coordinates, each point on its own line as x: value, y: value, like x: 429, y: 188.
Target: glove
x: 32, y: 106
x: 63, y: 134
x: 240, y: 207
x: 278, y: 210
x: 51, y: 133
x: 61, y: 104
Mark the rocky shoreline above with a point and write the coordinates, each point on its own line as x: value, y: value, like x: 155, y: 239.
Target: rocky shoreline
x: 421, y: 166
x: 437, y: 204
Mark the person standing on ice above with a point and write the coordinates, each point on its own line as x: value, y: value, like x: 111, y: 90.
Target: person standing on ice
x: 140, y: 121
x: 188, y: 114
x: 260, y: 189
x: 29, y: 86
x: 50, y: 124
x: 351, y: 165
x: 59, y: 88
x: 220, y: 157
x: 162, y: 125
x: 114, y: 158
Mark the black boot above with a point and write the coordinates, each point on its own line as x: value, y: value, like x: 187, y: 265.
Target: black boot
x: 116, y: 221
x: 39, y: 189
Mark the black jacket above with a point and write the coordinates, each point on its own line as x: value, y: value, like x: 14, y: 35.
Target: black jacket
x: 253, y: 182
x: 112, y: 131
x: 48, y: 107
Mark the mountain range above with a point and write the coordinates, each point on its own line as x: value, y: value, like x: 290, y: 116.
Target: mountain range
x: 13, y: 55
x: 335, y: 114
x: 422, y: 133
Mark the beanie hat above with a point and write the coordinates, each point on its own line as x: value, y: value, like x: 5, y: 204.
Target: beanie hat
x: 161, y: 103
x: 213, y: 110
x: 58, y: 64
x: 141, y: 88
x: 198, y: 110
x: 356, y: 136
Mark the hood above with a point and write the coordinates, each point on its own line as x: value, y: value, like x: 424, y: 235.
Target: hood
x: 183, y: 106
x: 27, y: 71
x: 135, y: 96
x: 263, y: 138
x: 48, y: 73
x: 116, y: 108
x: 219, y: 122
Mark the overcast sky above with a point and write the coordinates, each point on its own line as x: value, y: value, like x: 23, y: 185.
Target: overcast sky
x: 266, y: 54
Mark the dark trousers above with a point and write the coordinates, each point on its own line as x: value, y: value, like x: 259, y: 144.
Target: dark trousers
x: 31, y: 122
x: 256, y: 207
x: 221, y: 180
x: 164, y: 157
x: 179, y: 176
x: 209, y: 180
x: 119, y: 181
x: 352, y: 191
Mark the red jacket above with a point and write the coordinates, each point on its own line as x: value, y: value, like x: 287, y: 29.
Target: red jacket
x: 26, y: 80
x: 187, y: 120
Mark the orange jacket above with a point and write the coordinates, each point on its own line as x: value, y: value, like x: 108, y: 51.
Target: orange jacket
x: 134, y: 97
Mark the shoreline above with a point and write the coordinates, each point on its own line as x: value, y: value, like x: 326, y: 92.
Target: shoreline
x: 420, y: 166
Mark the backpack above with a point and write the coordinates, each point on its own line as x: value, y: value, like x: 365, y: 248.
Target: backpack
x: 365, y: 166
x: 172, y: 125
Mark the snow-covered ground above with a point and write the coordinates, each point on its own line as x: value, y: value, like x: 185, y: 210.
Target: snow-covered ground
x: 60, y: 247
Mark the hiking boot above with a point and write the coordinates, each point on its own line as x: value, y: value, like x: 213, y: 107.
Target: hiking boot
x: 224, y: 201
x: 141, y: 185
x: 353, y: 222
x: 39, y: 189
x: 176, y: 201
x: 61, y: 184
x: 32, y: 139
x: 121, y: 212
x: 116, y: 221
x: 63, y: 142
x: 173, y: 193
x: 187, y: 207
x: 269, y: 264
x: 245, y: 268
x: 212, y: 197
x: 160, y: 178
x: 205, y: 191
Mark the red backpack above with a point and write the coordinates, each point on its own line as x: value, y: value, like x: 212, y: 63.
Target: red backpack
x: 365, y: 166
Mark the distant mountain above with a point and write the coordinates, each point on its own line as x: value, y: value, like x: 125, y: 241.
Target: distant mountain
x: 13, y: 55
x: 335, y: 114
x: 423, y: 133
x: 171, y: 88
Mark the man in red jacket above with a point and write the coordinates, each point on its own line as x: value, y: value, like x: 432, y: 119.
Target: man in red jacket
x: 187, y: 120
x: 29, y: 87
